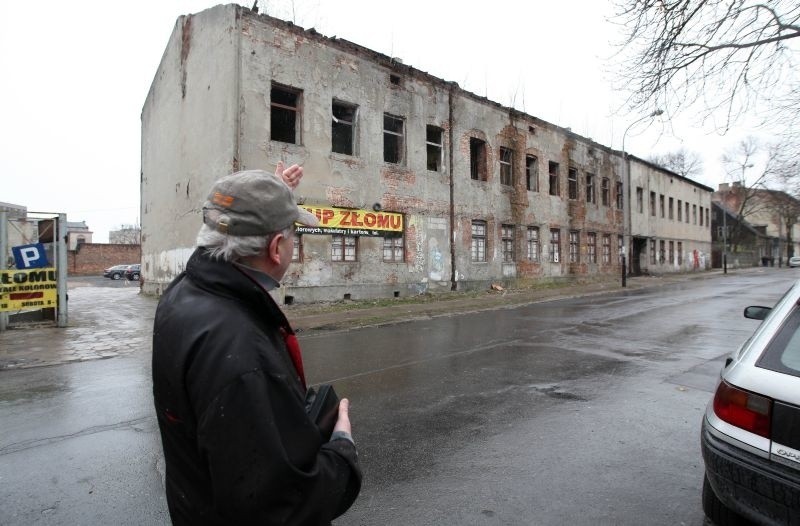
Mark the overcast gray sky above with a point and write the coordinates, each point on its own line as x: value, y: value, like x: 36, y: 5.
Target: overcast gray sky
x: 75, y: 77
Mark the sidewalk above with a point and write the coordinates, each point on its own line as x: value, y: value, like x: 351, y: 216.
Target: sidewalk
x: 108, y: 322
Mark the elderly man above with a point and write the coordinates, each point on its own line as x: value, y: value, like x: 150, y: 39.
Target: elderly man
x: 228, y: 377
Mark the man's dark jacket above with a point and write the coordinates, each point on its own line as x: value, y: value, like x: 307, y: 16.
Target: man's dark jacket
x: 238, y: 444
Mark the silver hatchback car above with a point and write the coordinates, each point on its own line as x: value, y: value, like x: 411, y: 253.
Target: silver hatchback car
x: 751, y: 429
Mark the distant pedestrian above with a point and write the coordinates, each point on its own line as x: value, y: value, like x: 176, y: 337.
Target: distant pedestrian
x: 228, y: 377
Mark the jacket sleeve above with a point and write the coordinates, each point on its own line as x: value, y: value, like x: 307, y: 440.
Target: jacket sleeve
x: 267, y: 462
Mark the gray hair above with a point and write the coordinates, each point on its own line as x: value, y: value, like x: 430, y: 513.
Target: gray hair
x: 233, y: 248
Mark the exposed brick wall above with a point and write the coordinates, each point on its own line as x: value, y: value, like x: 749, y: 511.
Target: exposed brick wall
x: 92, y: 258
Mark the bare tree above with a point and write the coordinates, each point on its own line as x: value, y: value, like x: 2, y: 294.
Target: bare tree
x: 734, y: 57
x: 126, y: 235
x: 757, y: 173
x: 683, y: 162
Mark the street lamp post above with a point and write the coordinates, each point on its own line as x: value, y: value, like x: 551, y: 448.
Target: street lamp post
x: 725, y: 234
x: 627, y: 179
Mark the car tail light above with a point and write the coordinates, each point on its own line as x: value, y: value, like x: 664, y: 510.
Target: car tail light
x: 748, y: 411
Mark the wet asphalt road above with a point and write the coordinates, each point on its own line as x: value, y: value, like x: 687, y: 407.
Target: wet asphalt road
x: 582, y: 411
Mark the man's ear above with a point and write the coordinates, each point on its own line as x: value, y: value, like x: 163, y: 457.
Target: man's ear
x: 273, y: 249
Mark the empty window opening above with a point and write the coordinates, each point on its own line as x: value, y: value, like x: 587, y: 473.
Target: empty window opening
x: 393, y: 250
x: 343, y: 131
x: 620, y: 196
x: 393, y: 135
x: 605, y: 191
x: 653, y: 204
x: 671, y: 252
x: 284, y: 114
x: 477, y: 159
x: 661, y: 206
x: 531, y: 173
x: 506, y: 166
x: 394, y: 79
x: 590, y: 190
x: 671, y: 208
x: 572, y: 183
x: 478, y: 245
x: 553, y: 170
x: 288, y: 300
x: 507, y: 237
x: 680, y: 210
x: 433, y: 142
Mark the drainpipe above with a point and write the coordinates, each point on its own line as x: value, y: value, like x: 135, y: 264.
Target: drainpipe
x: 453, y: 282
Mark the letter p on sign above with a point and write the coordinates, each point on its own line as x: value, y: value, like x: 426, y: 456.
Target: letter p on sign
x: 30, y: 256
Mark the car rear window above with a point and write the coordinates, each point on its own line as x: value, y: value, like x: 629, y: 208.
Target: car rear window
x: 783, y: 352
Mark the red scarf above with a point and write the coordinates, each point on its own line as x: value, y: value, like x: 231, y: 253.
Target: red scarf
x: 293, y: 346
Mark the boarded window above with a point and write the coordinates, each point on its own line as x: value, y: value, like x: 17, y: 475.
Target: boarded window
x: 506, y: 166
x: 507, y: 237
x: 478, y: 245
x: 477, y: 159
x: 555, y: 245
x: 284, y: 114
x: 574, y: 246
x: 591, y: 247
x: 393, y: 249
x: 553, y: 169
x: 344, y: 248
x: 297, y: 248
x: 531, y: 173
x: 343, y: 128
x: 433, y: 142
x: 393, y: 139
x: 533, y: 243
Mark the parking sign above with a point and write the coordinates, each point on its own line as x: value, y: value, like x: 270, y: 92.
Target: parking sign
x: 30, y: 256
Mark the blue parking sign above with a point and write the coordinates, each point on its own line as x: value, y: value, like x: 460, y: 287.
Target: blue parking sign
x: 30, y: 256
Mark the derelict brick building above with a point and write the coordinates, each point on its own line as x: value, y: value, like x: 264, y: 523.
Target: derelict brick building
x: 420, y: 185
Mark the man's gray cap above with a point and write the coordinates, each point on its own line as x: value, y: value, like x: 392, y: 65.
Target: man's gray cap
x: 253, y: 203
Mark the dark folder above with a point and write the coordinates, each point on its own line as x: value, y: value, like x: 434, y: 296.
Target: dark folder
x: 322, y: 406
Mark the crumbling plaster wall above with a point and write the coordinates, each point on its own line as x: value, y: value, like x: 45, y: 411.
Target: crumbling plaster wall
x: 188, y: 137
x: 288, y: 57
x: 499, y: 204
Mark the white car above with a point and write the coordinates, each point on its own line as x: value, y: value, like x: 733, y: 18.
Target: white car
x: 794, y: 261
x: 751, y: 429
